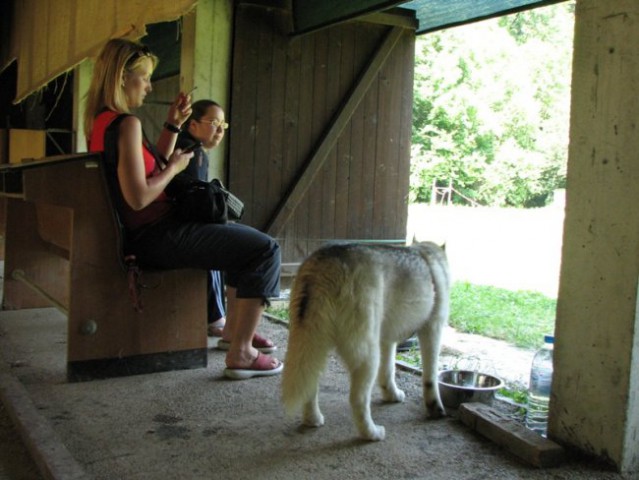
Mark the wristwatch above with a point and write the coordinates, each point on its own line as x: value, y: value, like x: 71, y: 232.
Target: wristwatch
x: 171, y: 128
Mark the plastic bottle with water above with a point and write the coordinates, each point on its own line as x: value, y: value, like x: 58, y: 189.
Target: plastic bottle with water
x: 539, y: 388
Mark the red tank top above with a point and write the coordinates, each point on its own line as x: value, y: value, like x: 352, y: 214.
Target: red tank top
x: 157, y: 209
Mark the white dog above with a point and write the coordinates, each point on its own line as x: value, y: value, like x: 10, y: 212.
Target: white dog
x: 362, y: 299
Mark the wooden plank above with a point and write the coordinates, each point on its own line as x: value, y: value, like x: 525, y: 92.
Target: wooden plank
x: 290, y: 148
x: 405, y: 140
x: 304, y: 136
x: 334, y: 95
x: 386, y: 139
x: 277, y: 118
x: 264, y: 106
x: 316, y: 225
x: 361, y: 47
x: 344, y: 159
x: 333, y: 131
x: 369, y: 161
x: 243, y: 113
x: 527, y: 445
x: 389, y: 130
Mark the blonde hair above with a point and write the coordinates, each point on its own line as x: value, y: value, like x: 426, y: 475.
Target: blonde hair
x: 118, y: 58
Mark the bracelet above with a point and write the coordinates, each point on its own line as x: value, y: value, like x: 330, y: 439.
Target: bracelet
x: 171, y: 128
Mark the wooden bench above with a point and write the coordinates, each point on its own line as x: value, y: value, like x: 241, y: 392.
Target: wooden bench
x: 62, y: 248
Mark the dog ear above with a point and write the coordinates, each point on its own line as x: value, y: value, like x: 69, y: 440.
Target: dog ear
x: 443, y: 246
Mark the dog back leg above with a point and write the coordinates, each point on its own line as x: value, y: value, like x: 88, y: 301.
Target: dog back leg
x: 429, y: 343
x: 386, y: 374
x: 431, y: 333
x: 312, y: 415
x: 362, y: 362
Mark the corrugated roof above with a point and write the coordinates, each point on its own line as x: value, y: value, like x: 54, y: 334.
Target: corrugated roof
x: 310, y: 15
x: 438, y: 14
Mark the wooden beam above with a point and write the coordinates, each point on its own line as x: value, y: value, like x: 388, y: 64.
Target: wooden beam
x: 329, y: 138
x: 529, y: 446
x: 310, y: 15
x: 396, y: 17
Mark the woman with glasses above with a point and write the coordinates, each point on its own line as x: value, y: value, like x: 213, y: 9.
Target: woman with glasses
x: 206, y: 126
x: 250, y: 259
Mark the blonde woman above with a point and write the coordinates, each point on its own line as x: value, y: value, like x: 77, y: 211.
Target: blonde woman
x: 250, y: 259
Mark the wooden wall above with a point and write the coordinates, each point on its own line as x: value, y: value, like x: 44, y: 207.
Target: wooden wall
x: 285, y: 92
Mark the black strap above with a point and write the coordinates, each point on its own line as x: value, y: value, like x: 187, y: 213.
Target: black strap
x: 127, y: 260
x: 110, y: 157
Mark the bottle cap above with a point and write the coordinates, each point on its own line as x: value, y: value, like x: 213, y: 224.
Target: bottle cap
x: 549, y: 339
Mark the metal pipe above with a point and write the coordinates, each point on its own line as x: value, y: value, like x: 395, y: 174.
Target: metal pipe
x: 21, y: 277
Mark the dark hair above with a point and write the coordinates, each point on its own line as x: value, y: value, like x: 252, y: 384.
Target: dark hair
x: 199, y: 108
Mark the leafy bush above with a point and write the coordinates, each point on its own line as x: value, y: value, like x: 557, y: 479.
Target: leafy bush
x: 491, y: 109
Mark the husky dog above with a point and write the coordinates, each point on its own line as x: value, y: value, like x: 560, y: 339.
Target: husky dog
x: 362, y: 299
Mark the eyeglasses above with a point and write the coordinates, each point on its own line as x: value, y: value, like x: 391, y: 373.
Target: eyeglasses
x: 142, y: 52
x: 216, y: 123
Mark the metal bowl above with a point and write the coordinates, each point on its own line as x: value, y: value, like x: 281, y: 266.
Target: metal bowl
x: 459, y: 386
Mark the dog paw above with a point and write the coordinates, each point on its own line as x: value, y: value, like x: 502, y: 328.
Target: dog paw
x: 314, y: 420
x: 435, y: 410
x: 375, y: 434
x: 393, y: 395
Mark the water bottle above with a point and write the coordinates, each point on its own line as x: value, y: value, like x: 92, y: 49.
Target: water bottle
x: 539, y: 388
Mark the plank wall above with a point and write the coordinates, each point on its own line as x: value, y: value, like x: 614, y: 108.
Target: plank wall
x: 285, y: 91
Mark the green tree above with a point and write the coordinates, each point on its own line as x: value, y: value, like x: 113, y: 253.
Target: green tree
x: 491, y: 109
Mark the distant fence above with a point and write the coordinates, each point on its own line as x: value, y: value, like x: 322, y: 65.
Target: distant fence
x: 444, y: 195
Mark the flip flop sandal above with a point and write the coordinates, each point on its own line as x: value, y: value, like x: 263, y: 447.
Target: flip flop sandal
x: 261, y: 367
x: 259, y: 343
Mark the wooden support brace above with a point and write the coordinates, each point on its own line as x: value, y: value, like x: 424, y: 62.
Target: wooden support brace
x: 529, y: 446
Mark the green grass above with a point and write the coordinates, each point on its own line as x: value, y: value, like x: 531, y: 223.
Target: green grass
x: 279, y: 310
x: 521, y: 318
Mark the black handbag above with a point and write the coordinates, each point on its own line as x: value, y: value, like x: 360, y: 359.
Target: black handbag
x: 235, y: 206
x: 199, y: 201
x: 196, y: 200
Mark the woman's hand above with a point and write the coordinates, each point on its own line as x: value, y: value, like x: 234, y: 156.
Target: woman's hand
x: 179, y: 110
x: 178, y: 161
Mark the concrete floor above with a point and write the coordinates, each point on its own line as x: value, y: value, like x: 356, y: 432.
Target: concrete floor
x: 194, y: 424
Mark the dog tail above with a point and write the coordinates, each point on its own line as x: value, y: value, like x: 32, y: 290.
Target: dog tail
x: 311, y: 317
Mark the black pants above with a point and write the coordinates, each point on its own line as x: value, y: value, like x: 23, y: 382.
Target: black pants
x: 250, y: 259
